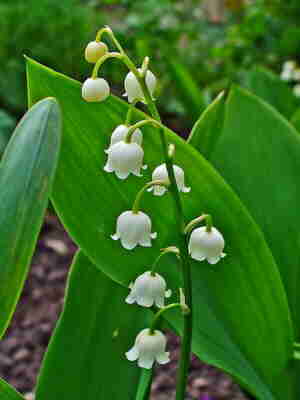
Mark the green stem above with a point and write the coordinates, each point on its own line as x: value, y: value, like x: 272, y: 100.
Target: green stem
x: 102, y: 60
x: 187, y: 328
x: 167, y: 250
x: 158, y: 315
x: 136, y: 204
x: 137, y: 125
x: 110, y: 33
x: 196, y: 221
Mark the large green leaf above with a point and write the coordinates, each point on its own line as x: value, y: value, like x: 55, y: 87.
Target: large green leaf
x: 26, y: 173
x: 86, y: 356
x: 258, y: 153
x: 272, y: 89
x: 7, y: 392
x: 241, y: 314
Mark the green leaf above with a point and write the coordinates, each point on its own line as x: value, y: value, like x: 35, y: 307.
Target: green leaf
x: 86, y: 356
x: 26, y: 173
x: 7, y: 392
x: 240, y: 339
x: 265, y: 84
x: 296, y: 120
x: 258, y: 153
x: 190, y: 93
x: 7, y: 124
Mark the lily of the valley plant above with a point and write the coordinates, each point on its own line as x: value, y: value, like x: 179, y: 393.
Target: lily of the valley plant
x: 125, y: 156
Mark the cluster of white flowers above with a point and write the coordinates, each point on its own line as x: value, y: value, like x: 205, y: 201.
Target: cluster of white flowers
x: 125, y: 156
x: 291, y: 73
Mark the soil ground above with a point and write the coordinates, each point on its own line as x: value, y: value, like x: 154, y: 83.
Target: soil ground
x: 25, y: 342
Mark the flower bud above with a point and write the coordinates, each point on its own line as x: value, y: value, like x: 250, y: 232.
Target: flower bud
x: 133, y: 229
x: 120, y: 133
x: 206, y: 245
x: 95, y: 50
x: 133, y: 89
x: 161, y: 173
x: 95, y: 89
x: 148, y: 289
x: 149, y: 347
x: 125, y: 158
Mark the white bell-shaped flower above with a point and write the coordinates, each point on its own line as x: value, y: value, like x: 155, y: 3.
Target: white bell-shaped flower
x: 95, y: 89
x: 148, y: 289
x: 161, y: 173
x: 120, y: 133
x: 149, y: 347
x: 133, y: 89
x: 206, y: 245
x: 95, y: 50
x: 133, y: 229
x: 125, y: 158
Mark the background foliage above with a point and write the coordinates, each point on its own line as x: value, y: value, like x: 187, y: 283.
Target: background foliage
x: 182, y: 36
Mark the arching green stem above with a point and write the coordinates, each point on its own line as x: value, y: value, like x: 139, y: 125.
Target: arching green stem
x: 204, y: 217
x: 158, y: 315
x: 167, y: 250
x: 136, y: 204
x: 102, y: 60
x: 110, y: 33
x: 139, y: 124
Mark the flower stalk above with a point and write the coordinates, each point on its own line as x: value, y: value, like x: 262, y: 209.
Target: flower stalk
x: 204, y: 217
x: 138, y: 125
x: 159, y: 314
x: 167, y: 250
x: 136, y: 204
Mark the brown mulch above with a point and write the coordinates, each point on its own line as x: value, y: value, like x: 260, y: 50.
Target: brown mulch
x: 25, y: 342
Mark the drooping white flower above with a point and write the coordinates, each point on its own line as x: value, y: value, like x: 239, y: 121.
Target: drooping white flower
x: 95, y: 50
x: 161, y: 173
x: 147, y: 290
x: 133, y: 229
x: 133, y: 89
x: 120, y: 133
x: 149, y: 347
x: 95, y: 89
x: 125, y: 158
x: 206, y: 245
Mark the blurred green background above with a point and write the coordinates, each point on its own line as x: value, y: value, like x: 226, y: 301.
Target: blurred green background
x: 197, y: 48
